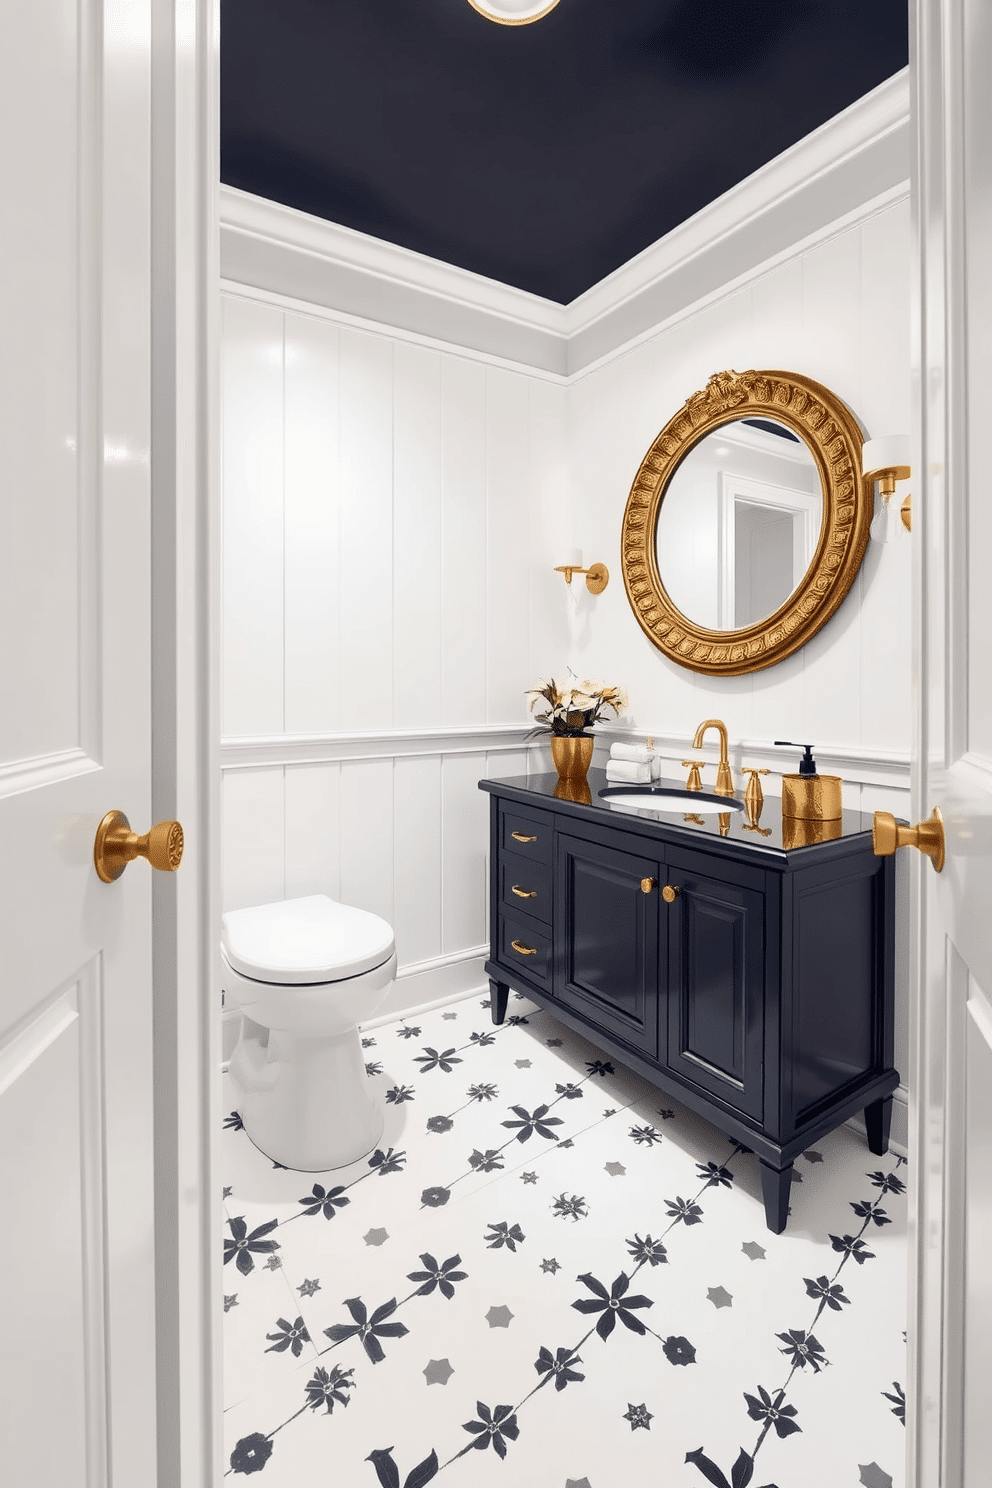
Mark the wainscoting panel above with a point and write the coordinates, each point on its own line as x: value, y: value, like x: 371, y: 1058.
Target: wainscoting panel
x: 253, y: 834
x: 364, y: 579
x: 464, y: 648
x: 252, y: 496
x: 313, y: 830
x: 367, y: 836
x: 313, y: 616
x: 417, y: 860
x: 464, y: 852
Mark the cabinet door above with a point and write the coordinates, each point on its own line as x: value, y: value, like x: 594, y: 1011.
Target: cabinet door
x: 606, y: 939
x: 716, y: 987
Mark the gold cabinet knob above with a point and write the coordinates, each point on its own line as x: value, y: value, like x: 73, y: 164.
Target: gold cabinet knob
x: 928, y: 836
x: 116, y: 846
x: 647, y: 884
x: 669, y: 893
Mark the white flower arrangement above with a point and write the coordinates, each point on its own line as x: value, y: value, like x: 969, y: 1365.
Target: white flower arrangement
x: 572, y: 707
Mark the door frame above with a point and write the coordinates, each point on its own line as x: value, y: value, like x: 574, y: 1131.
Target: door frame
x: 185, y: 602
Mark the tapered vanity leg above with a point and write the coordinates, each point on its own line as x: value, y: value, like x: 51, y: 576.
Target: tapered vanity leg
x: 498, y: 994
x: 878, y: 1121
x: 776, y: 1186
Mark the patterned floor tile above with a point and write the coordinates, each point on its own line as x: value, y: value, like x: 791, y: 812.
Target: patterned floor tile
x: 551, y: 1274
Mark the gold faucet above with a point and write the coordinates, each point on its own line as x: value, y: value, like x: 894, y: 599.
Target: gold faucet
x: 724, y: 780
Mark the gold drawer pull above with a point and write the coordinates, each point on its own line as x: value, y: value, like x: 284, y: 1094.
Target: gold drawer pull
x: 523, y: 950
x: 523, y: 893
x: 519, y: 837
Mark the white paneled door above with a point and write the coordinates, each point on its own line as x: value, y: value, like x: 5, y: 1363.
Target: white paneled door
x: 950, y: 1426
x: 90, y: 362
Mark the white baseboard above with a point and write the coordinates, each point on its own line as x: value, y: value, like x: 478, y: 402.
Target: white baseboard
x: 426, y: 985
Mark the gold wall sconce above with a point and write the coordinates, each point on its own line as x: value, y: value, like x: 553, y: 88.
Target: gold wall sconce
x: 886, y: 460
x: 597, y: 574
x: 513, y: 12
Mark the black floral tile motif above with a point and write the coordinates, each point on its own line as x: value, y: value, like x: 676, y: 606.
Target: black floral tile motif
x: 555, y: 1155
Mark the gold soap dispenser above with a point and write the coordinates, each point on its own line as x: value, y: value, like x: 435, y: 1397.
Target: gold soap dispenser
x: 808, y: 796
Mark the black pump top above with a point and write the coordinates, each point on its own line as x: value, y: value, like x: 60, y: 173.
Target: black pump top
x: 807, y: 765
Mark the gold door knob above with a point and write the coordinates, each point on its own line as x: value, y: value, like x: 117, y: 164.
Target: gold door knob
x: 669, y: 893
x: 928, y: 836
x: 116, y: 846
x: 647, y: 884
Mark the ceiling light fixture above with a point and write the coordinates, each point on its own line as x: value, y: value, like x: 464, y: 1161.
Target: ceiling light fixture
x: 513, y: 12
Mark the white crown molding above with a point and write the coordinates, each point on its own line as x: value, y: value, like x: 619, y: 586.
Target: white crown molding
x: 855, y: 164
x: 850, y: 160
x: 271, y: 247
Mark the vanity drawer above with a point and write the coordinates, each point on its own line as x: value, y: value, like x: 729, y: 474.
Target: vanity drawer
x: 523, y: 946
x: 525, y: 888
x: 527, y: 834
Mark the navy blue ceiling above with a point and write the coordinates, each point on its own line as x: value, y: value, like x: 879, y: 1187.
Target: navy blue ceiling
x: 545, y: 155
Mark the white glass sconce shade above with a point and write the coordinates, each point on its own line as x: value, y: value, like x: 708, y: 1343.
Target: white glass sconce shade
x: 513, y: 12
x: 886, y: 460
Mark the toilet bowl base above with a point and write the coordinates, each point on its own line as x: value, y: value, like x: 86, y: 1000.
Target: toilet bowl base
x: 307, y: 1103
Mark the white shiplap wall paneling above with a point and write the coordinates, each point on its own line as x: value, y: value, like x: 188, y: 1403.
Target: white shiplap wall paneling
x: 313, y: 830
x: 549, y: 535
x: 417, y: 587
x: 252, y: 497
x: 366, y: 815
x: 366, y: 570
x: 464, y: 850
x: 312, y: 559
x: 464, y: 576
x: 417, y: 817
x: 253, y: 837
x: 507, y: 456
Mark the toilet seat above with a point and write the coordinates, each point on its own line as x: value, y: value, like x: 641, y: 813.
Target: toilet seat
x: 301, y: 942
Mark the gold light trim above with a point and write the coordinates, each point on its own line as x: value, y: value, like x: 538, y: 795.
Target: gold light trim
x: 502, y: 20
x: 830, y: 432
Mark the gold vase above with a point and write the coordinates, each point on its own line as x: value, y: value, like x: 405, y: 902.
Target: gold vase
x: 572, y: 755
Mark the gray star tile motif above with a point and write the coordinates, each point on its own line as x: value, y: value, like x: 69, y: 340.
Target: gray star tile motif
x: 308, y: 1288
x: 550, y: 1266
x: 813, y: 1156
x: 638, y: 1415
x: 499, y: 1317
x: 753, y: 1250
x: 872, y: 1476
x: 228, y: 1192
x: 615, y: 1169
x: 720, y: 1297
x: 449, y: 1016
x: 376, y: 1237
x: 529, y: 1177
x: 554, y: 1043
x: 231, y: 1301
x: 796, y: 1176
x: 438, y: 1372
x: 522, y: 1063
x: 577, y: 1483
x: 274, y: 1263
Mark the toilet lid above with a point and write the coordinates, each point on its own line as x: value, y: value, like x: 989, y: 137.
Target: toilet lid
x: 305, y: 940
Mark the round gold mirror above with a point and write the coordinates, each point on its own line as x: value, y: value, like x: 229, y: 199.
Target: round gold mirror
x: 746, y: 523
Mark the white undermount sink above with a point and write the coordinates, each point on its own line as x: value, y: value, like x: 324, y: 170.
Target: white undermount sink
x: 651, y: 798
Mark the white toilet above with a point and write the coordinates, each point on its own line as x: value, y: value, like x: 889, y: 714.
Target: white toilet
x: 304, y: 973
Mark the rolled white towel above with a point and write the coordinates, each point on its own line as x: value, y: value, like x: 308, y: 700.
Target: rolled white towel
x: 639, y: 754
x: 628, y: 772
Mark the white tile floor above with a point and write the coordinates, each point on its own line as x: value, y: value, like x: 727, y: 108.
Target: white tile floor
x: 599, y: 1305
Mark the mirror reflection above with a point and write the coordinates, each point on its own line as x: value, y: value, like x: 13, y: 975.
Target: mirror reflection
x: 739, y: 524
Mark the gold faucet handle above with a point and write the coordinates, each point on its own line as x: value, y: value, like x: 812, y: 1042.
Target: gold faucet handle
x: 694, y: 782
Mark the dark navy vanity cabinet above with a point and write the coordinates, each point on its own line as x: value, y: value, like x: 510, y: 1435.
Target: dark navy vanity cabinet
x: 749, y: 977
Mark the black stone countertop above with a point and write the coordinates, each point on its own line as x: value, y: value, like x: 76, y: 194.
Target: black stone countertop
x: 787, y: 842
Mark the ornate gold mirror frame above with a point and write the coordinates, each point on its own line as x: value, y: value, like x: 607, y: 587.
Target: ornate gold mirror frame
x: 831, y: 433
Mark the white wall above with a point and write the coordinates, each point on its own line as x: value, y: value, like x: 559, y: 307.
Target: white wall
x: 386, y: 510
x: 392, y: 515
